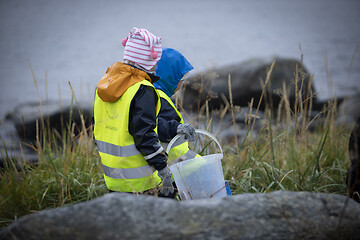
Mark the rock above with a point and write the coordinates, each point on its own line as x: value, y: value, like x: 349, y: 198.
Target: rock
x: 12, y: 149
x: 277, y: 215
x: 27, y: 121
x: 246, y: 84
x: 348, y: 110
x: 226, y: 127
x: 30, y: 117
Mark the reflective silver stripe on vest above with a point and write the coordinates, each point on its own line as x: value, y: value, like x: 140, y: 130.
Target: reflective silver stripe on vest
x: 189, y: 155
x: 128, y: 173
x: 180, y: 141
x: 115, y: 150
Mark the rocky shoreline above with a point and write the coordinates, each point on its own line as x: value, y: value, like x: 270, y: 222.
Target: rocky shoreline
x: 276, y: 215
x: 20, y: 129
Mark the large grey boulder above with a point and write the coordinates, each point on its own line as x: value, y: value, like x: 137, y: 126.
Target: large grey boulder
x: 349, y: 110
x: 223, y: 127
x: 246, y: 83
x: 277, y: 215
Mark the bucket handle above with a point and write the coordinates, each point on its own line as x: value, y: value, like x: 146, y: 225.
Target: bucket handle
x: 197, y: 131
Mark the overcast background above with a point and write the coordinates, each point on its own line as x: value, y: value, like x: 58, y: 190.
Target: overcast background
x: 76, y: 40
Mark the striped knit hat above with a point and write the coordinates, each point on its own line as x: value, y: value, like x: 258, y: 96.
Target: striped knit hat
x: 142, y: 47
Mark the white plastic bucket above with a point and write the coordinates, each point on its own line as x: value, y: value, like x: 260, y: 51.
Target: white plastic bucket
x: 200, y: 177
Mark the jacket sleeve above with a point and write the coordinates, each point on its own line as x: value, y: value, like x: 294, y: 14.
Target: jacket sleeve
x: 142, y: 122
x: 352, y: 177
x: 169, y: 120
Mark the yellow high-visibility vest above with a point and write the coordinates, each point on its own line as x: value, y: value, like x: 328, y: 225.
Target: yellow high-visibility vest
x: 180, y: 150
x: 125, y: 168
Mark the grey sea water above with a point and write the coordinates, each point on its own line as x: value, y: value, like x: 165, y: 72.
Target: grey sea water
x: 75, y: 41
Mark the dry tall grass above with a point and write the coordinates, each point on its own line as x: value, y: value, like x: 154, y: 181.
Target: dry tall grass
x: 283, y: 155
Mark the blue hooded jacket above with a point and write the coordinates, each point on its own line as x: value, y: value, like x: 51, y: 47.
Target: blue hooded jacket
x: 171, y: 68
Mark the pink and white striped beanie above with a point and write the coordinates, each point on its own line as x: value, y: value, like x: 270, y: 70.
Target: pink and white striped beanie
x: 142, y: 47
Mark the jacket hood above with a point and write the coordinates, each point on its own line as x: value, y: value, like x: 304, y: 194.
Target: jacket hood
x: 171, y: 68
x: 117, y: 79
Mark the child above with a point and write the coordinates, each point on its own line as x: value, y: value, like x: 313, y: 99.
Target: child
x: 171, y: 69
x: 125, y: 114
